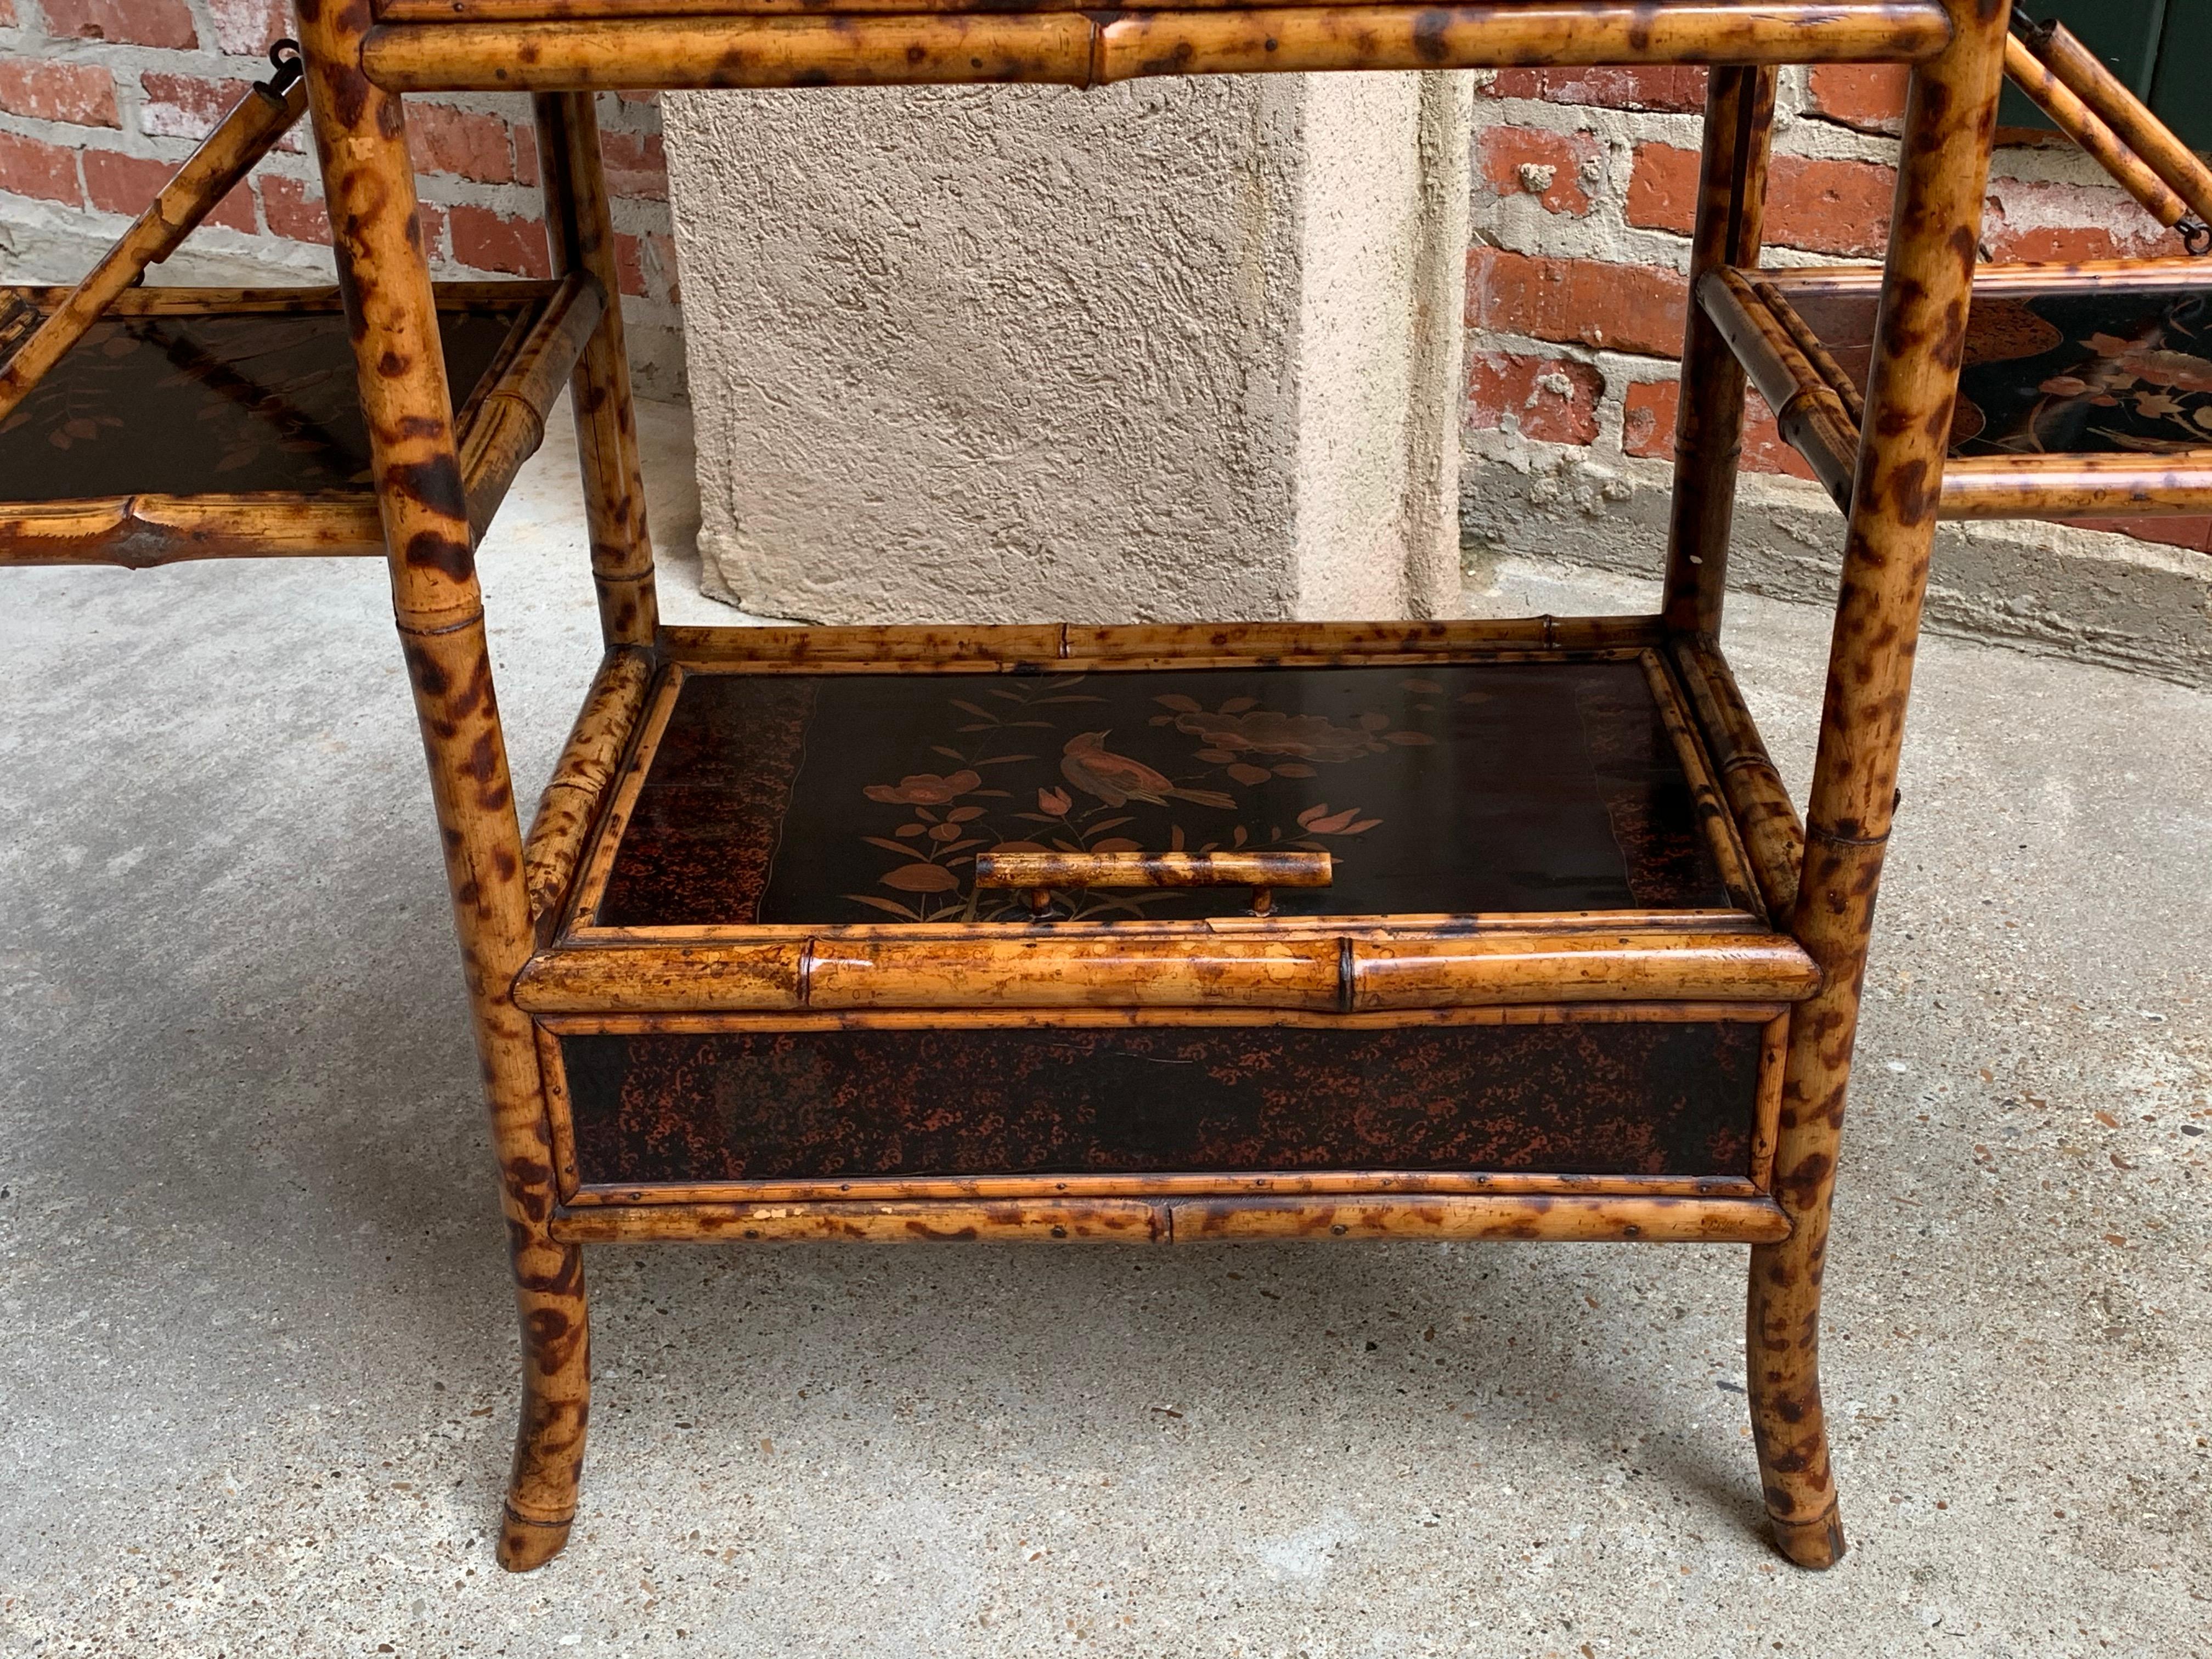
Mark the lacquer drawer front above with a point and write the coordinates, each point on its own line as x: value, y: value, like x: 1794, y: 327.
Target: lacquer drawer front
x: 1553, y: 1095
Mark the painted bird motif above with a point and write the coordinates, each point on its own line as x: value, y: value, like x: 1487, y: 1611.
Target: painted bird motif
x: 1092, y: 767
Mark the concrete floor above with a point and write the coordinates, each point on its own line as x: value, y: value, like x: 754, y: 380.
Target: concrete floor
x: 257, y: 1355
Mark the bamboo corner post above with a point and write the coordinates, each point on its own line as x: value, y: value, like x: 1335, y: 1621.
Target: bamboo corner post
x: 1709, y: 421
x: 581, y: 226
x: 1950, y: 120
x: 369, y: 184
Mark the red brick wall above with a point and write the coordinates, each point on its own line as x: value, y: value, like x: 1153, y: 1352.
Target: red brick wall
x: 100, y: 99
x: 1585, y: 182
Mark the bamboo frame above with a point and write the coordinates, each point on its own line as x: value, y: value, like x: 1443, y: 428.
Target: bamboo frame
x: 501, y: 429
x: 569, y: 806
x: 1808, y: 393
x: 1095, y: 49
x: 1823, y: 876
x: 2072, y: 116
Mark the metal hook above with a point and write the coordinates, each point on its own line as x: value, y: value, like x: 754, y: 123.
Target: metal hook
x: 287, y: 66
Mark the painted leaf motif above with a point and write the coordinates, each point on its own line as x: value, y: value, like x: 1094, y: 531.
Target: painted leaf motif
x: 1180, y: 704
x: 1207, y: 798
x: 1117, y: 844
x: 921, y: 878
x: 1238, y: 705
x: 1294, y: 769
x: 1244, y: 773
x: 1430, y: 686
x: 1334, y: 824
x: 1320, y: 809
x: 1055, y: 802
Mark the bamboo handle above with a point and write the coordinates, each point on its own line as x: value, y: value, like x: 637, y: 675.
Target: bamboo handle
x: 1043, y: 872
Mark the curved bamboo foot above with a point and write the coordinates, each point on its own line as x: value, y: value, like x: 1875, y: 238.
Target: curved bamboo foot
x: 556, y: 1402
x: 524, y: 1545
x: 1783, y: 1351
x: 1818, y: 1545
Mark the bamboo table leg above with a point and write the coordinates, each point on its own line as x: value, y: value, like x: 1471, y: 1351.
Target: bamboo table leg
x: 606, y: 423
x: 361, y: 135
x: 1919, y: 341
x: 1708, y: 424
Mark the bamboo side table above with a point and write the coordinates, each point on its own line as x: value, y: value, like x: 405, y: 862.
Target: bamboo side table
x: 673, y: 1006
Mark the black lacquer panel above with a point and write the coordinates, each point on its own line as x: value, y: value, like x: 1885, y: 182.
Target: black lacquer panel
x: 1454, y: 787
x: 1674, y: 1099
x: 213, y: 403
x: 2085, y: 371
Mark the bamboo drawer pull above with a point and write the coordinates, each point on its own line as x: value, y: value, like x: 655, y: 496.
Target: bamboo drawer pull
x: 1043, y: 872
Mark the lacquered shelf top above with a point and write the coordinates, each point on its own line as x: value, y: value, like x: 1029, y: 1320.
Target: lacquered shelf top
x: 1459, y: 787
x: 215, y: 401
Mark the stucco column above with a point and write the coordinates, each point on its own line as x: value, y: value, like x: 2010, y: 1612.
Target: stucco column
x: 1174, y: 350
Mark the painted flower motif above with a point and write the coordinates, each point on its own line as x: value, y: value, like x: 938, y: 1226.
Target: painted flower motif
x: 925, y: 788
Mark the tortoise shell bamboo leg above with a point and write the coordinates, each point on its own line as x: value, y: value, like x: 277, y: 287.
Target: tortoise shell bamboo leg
x: 361, y: 136
x: 1709, y: 428
x: 1919, y: 341
x: 606, y: 423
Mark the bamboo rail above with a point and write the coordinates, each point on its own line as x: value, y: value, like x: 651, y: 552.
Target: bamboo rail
x: 1316, y: 971
x: 1566, y: 1217
x: 1073, y: 647
x: 1077, y: 49
x: 1820, y: 412
x: 1810, y: 414
x: 2106, y: 97
x: 570, y: 804
x: 249, y: 132
x: 141, y: 532
x: 1365, y: 1183
x: 507, y: 426
x: 2073, y: 117
x: 1763, y: 813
